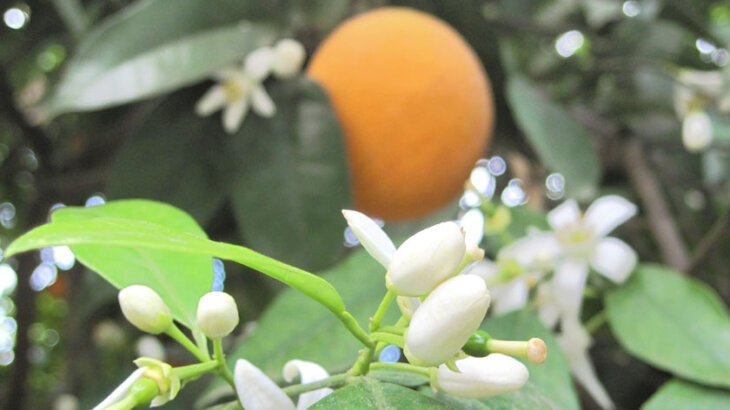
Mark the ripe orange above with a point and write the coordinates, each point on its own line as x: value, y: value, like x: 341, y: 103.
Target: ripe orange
x: 415, y: 105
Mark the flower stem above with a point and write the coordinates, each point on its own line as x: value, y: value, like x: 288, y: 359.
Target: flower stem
x: 388, y: 338
x: 396, y: 330
x: 220, y: 359
x: 382, y: 309
x: 423, y: 371
x: 596, y: 322
x: 194, y: 371
x: 333, y: 381
x: 127, y: 403
x: 354, y: 328
x: 174, y: 332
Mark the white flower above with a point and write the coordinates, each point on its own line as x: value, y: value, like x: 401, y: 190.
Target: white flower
x: 575, y: 341
x: 217, y: 314
x: 121, y: 391
x: 584, y: 242
x: 422, y: 262
x: 446, y: 319
x: 426, y: 259
x: 518, y: 267
x: 168, y: 384
x: 144, y: 308
x: 693, y: 87
x: 257, y: 392
x: 239, y: 87
x: 482, y: 377
x: 696, y: 131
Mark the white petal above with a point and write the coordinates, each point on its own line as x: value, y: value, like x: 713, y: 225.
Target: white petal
x: 289, y: 55
x: 608, y: 212
x: 233, y: 115
x: 575, y: 342
x: 262, y: 103
x: 212, y: 100
x: 121, y: 391
x: 256, y: 391
x: 483, y: 377
x: 308, y: 373
x: 614, y: 259
x: 259, y: 63
x: 371, y: 236
x: 408, y: 305
x: 535, y: 251
x: 568, y: 284
x: 696, y: 131
x: 485, y: 269
x: 510, y: 296
x: 564, y: 214
x: 547, y: 309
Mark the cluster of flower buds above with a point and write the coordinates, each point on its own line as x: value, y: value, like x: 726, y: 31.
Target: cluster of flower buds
x: 446, y: 309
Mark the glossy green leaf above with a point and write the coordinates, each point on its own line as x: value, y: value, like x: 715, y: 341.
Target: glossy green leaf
x: 128, y: 228
x: 673, y: 322
x: 549, y: 382
x: 560, y: 142
x: 371, y: 394
x: 176, y: 157
x: 121, y: 61
x: 529, y: 397
x: 401, y: 377
x: 681, y: 395
x: 293, y: 179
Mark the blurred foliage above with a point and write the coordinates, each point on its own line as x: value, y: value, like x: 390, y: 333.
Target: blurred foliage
x: 574, y: 82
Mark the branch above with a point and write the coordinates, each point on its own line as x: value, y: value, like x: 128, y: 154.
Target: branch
x: 710, y: 242
x: 661, y: 221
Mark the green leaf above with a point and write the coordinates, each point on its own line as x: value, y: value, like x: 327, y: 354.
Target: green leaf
x: 529, y: 397
x: 550, y: 382
x: 370, y: 394
x: 673, y: 322
x: 402, y: 377
x: 126, y: 228
x: 121, y: 61
x: 178, y: 278
x: 680, y: 395
x: 176, y: 157
x: 293, y: 179
x: 560, y: 142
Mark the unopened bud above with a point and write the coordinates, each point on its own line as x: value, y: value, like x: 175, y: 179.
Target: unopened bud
x: 168, y: 384
x: 144, y: 308
x: 697, y: 131
x: 289, y: 56
x: 446, y: 319
x: 217, y: 314
x: 481, y: 377
x: 426, y: 259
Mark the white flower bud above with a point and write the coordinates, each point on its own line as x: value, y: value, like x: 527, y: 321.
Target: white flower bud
x: 482, y: 376
x: 144, y: 308
x: 445, y: 320
x: 289, y: 56
x: 426, y: 259
x: 217, y: 314
x: 697, y: 131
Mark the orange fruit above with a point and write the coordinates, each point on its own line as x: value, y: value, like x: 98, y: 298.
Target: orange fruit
x: 415, y: 106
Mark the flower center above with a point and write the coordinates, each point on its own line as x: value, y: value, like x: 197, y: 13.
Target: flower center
x: 577, y: 238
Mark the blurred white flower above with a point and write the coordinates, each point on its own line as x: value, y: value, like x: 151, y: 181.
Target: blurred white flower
x: 584, y: 242
x: 480, y: 377
x: 257, y: 392
x: 575, y: 341
x: 696, y: 131
x: 242, y: 86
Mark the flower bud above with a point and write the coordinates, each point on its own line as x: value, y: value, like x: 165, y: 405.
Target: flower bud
x: 426, y: 259
x: 289, y: 56
x: 217, y: 314
x: 446, y: 319
x: 168, y: 384
x: 480, y: 377
x: 697, y: 131
x: 144, y: 308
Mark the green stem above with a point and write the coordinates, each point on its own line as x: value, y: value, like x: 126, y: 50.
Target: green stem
x: 333, y: 381
x: 423, y: 371
x: 396, y: 330
x: 354, y: 328
x: 382, y: 309
x: 596, y: 322
x: 397, y: 340
x: 194, y: 371
x: 127, y: 403
x: 201, y: 341
x: 220, y: 359
x: 362, y: 364
x: 175, y: 333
